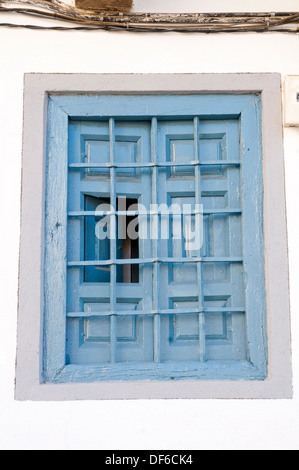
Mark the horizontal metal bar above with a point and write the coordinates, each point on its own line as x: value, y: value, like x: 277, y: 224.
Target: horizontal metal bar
x: 78, y: 264
x: 75, y: 214
x: 107, y: 166
x: 179, y: 311
x: 222, y: 211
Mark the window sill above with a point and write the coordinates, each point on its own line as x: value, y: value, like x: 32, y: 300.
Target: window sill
x: 226, y: 370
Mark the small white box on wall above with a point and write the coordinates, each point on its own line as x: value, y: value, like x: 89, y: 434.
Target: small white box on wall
x: 291, y: 101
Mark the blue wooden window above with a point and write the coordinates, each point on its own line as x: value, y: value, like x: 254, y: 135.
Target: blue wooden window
x: 151, y: 308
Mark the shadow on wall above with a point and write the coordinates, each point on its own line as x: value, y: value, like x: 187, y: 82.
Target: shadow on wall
x: 107, y: 5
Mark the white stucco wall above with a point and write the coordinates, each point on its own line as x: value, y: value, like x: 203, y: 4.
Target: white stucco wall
x: 214, y: 5
x: 155, y: 424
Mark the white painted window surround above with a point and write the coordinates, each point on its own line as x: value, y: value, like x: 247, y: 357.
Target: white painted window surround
x: 30, y: 330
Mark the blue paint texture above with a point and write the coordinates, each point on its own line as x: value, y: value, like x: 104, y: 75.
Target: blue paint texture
x: 155, y: 310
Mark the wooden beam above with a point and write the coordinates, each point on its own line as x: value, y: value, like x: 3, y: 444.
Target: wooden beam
x: 117, y: 20
x: 105, y: 5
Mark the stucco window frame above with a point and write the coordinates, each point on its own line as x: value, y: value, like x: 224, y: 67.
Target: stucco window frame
x: 37, y: 88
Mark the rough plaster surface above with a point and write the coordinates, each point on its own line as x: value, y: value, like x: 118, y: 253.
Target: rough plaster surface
x: 189, y: 6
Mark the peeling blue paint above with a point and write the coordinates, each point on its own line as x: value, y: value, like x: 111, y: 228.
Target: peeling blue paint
x: 226, y: 338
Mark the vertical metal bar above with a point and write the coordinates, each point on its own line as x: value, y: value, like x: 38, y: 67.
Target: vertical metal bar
x: 113, y: 238
x: 155, y: 241
x: 198, y: 201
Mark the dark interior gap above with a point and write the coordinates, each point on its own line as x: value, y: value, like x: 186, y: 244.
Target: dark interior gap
x: 99, y: 250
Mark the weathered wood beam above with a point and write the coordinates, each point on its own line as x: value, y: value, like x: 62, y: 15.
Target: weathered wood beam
x: 106, y: 5
x: 152, y: 22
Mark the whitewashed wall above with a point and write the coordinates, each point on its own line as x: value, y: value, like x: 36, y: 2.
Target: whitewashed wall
x: 214, y: 5
x: 156, y: 424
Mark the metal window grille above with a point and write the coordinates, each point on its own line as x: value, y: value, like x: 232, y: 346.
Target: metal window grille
x: 156, y: 261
